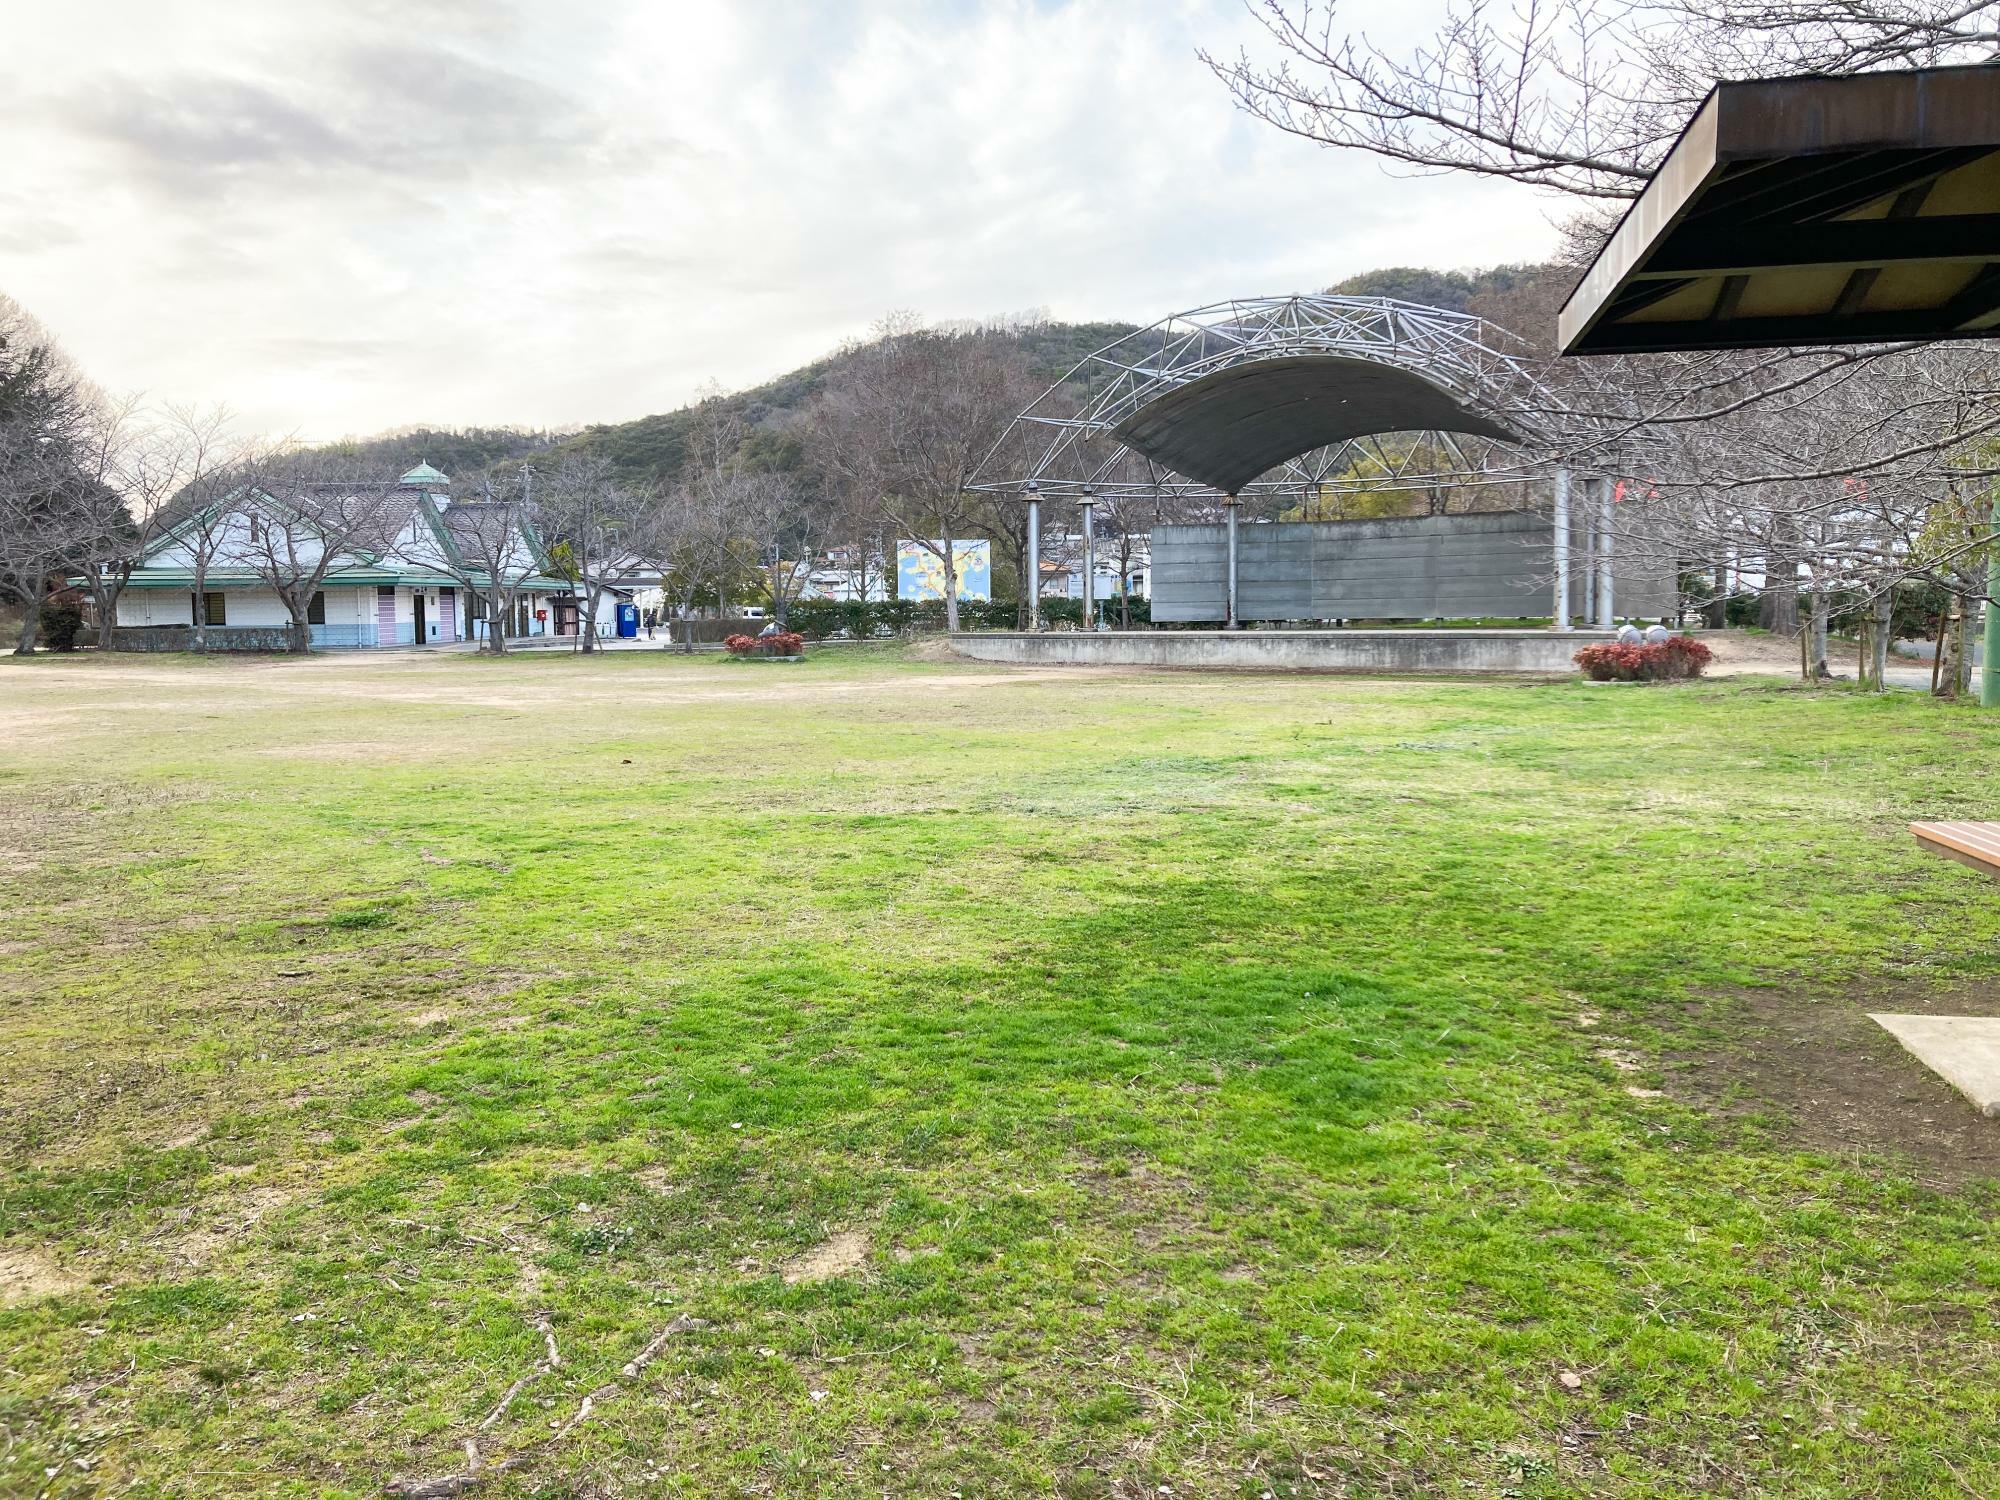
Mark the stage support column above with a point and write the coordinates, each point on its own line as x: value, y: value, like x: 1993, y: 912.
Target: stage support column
x: 1230, y: 621
x: 1034, y: 556
x: 1561, y: 525
x: 1089, y: 507
x: 1606, y: 615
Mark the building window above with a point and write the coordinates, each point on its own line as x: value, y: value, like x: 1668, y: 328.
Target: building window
x: 316, y: 610
x: 213, y: 610
x: 256, y: 528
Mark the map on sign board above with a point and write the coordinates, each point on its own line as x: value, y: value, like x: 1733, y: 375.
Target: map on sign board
x: 920, y: 570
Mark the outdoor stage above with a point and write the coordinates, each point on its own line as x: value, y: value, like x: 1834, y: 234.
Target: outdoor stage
x: 1451, y: 652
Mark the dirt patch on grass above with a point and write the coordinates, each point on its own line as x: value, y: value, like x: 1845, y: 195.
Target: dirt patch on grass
x: 837, y: 1257
x: 29, y: 1276
x: 1830, y: 1079
x: 230, y: 1222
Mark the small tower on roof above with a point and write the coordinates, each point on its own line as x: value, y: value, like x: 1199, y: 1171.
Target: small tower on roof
x: 424, y: 477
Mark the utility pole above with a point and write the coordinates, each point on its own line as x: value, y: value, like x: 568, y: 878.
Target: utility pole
x: 1561, y: 539
x: 1989, y: 666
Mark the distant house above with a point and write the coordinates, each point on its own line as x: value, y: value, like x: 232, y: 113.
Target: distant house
x: 1062, y: 566
x: 400, y: 576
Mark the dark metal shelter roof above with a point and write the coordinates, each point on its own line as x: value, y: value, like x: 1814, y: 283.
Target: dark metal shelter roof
x: 1228, y: 427
x: 1818, y: 210
x: 1300, y: 396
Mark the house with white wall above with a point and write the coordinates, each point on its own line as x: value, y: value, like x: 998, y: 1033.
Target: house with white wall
x: 404, y: 573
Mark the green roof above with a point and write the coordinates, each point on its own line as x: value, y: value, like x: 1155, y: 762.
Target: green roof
x: 426, y: 476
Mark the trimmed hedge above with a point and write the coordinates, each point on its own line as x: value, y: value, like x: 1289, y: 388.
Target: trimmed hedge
x: 816, y: 619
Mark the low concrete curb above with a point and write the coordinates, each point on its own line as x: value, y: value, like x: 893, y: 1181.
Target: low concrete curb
x: 1541, y: 653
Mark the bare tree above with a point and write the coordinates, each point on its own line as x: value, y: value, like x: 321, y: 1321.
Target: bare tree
x: 1581, y: 97
x: 298, y: 518
x: 774, y: 531
x: 494, y: 552
x: 688, y: 531
x: 906, y: 422
x: 581, y: 509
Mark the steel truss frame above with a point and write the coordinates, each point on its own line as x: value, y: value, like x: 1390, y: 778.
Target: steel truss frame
x: 1056, y: 448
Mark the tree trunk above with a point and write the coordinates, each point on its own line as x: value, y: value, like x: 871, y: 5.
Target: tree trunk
x: 106, y: 595
x: 31, y: 624
x: 1882, y: 614
x: 301, y: 633
x: 198, y: 637
x: 1816, y: 666
x: 1778, y: 610
x: 950, y: 586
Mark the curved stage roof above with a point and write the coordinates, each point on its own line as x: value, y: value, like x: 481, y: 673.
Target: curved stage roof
x: 1285, y: 396
x: 1226, y: 428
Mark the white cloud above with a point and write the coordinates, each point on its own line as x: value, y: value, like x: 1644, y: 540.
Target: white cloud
x: 342, y: 218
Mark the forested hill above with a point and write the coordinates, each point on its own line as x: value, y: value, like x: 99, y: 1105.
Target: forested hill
x: 655, y: 447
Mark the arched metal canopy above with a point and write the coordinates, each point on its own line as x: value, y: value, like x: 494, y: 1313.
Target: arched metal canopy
x: 1282, y: 395
x: 1228, y: 427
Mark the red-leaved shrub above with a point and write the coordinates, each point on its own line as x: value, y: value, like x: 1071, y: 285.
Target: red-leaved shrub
x: 1673, y: 660
x: 784, y: 643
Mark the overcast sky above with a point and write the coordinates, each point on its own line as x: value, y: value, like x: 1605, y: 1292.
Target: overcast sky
x: 342, y: 216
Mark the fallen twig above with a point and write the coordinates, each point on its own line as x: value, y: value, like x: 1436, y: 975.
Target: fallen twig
x: 651, y: 1352
x: 443, y: 1486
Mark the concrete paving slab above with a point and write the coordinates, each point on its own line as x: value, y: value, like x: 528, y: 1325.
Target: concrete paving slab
x: 1962, y: 1050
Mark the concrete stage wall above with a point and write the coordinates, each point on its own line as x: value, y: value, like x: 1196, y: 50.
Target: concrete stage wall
x: 1460, y: 567
x: 1537, y: 652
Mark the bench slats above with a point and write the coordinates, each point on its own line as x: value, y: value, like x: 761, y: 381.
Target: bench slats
x: 1974, y: 844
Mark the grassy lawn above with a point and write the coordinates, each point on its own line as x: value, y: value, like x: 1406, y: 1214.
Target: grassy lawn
x: 994, y: 1083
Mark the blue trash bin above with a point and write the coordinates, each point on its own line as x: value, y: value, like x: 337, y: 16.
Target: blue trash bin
x: 628, y: 622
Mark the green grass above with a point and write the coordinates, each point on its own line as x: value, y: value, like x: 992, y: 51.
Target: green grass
x: 1204, y: 1062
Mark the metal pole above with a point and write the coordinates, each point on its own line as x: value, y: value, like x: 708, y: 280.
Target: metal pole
x: 1229, y: 585
x: 1586, y: 593
x: 1034, y: 557
x: 1562, y: 549
x: 1089, y: 504
x: 1989, y: 666
x: 1605, y: 615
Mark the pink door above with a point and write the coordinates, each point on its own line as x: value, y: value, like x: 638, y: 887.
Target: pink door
x: 447, y: 616
x: 385, y: 616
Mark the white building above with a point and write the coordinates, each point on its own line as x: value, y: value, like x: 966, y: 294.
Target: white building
x: 409, y: 563
x: 1062, y: 566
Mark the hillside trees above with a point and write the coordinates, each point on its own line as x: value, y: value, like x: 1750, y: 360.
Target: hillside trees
x: 907, y: 421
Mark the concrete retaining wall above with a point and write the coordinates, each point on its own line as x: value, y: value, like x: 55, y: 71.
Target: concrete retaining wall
x: 1537, y: 652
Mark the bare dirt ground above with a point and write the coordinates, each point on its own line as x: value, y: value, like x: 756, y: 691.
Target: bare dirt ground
x: 1826, y: 1076
x: 1739, y: 654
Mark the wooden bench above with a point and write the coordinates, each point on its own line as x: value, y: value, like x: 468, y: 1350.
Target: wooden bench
x: 1974, y: 844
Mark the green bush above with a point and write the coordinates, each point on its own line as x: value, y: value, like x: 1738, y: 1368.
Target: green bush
x: 62, y: 622
x: 817, y: 619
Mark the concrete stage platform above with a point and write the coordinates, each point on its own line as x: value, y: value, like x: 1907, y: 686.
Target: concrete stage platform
x: 1541, y: 653
x: 1962, y: 1050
